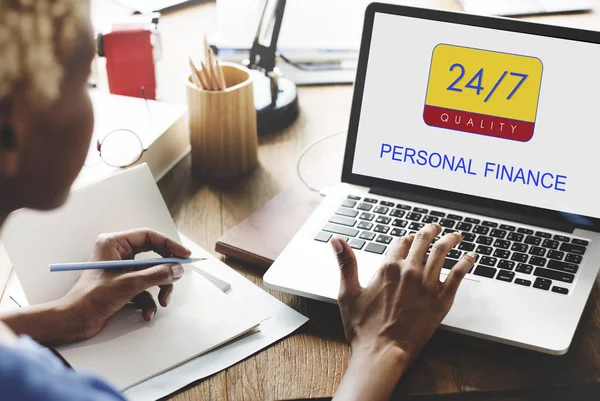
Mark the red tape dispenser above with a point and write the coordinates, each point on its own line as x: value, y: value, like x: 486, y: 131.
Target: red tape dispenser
x: 130, y: 54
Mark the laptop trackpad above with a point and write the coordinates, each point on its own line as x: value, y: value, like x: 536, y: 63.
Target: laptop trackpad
x: 464, y: 301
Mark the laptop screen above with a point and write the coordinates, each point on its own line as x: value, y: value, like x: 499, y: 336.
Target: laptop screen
x: 496, y: 114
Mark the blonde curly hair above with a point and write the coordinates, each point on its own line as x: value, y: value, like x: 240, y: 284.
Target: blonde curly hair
x: 36, y: 36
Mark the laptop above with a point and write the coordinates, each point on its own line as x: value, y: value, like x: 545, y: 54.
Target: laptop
x: 525, y: 7
x: 488, y: 127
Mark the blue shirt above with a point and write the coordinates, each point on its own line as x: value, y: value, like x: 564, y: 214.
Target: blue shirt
x: 29, y: 372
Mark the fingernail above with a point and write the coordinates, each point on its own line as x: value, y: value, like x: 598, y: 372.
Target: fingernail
x: 336, y: 243
x: 472, y: 255
x: 168, y: 298
x: 177, y: 271
x: 152, y: 314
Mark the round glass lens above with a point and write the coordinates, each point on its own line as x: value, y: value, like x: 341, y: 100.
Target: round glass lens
x: 121, y: 148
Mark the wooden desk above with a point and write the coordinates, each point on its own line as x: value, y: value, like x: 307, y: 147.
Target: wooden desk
x: 310, y: 364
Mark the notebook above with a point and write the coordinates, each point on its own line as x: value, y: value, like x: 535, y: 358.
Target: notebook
x: 200, y: 317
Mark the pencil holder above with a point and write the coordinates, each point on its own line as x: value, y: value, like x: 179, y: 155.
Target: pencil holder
x: 223, y: 126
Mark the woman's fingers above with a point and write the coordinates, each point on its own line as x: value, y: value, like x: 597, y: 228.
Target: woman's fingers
x: 145, y: 302
x: 420, y: 245
x: 140, y: 280
x: 457, y: 273
x: 164, y: 295
x: 398, y: 250
x: 133, y: 242
x: 437, y: 256
x: 349, y: 284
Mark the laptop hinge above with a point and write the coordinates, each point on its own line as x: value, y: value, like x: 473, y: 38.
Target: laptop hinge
x: 533, y: 220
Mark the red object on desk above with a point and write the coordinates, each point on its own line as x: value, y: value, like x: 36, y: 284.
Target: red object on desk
x: 130, y: 63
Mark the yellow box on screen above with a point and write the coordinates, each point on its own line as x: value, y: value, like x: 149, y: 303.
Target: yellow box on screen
x: 483, y: 92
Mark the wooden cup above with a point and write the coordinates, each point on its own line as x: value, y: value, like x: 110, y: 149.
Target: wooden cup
x: 223, y: 126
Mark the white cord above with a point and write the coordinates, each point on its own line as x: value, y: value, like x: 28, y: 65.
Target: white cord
x: 305, y: 151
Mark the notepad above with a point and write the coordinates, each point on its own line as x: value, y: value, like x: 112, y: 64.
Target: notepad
x: 129, y: 350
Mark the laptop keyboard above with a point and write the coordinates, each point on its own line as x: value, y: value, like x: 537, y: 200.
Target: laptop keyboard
x: 506, y: 252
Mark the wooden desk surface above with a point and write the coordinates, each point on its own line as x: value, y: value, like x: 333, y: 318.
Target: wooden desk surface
x: 310, y: 363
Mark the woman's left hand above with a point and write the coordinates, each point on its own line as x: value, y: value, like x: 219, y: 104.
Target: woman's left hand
x: 99, y: 294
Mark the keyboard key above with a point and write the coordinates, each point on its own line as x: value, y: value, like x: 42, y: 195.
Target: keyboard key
x: 384, y: 239
x: 483, y: 250
x: 365, y: 206
x: 454, y: 254
x: 367, y: 216
x: 466, y: 246
x: 379, y: 228
x: 489, y: 224
x: 488, y: 261
x: 414, y: 216
x: 563, y: 266
x: 542, y: 284
x: 398, y: 232
x: 449, y: 263
x: 356, y: 243
x: 551, y: 244
x: 515, y: 237
x: 342, y: 211
x: 543, y: 234
x: 519, y: 248
x: 464, y: 226
x: 447, y: 223
x: 375, y: 248
x: 383, y: 220
x: 580, y: 242
x: 468, y: 237
x: 502, y: 244
x: 437, y: 214
x: 371, y: 200
x: 403, y: 207
x: 472, y: 220
x: 537, y: 261
x: 448, y: 231
x: 501, y: 253
x: 420, y: 210
x: 519, y: 257
x: 430, y: 219
x: 483, y: 240
x: 497, y: 233
x: 531, y: 240
x: 369, y: 236
x: 525, y: 231
x: 505, y: 275
x: 554, y: 275
x: 399, y: 223
x: 345, y: 221
x: 524, y: 268
x: 485, y: 271
x: 416, y: 226
x: 397, y: 213
x: 537, y: 251
x: 386, y: 203
x: 364, y: 225
x: 349, y: 203
x: 454, y: 217
x: 381, y: 210
x: 573, y: 258
x: 557, y: 255
x: 576, y: 249
x: 481, y: 230
x: 336, y: 229
x: 520, y: 281
x: 343, y: 237
x: 323, y: 237
x: 506, y: 264
x: 353, y: 197
x: 561, y: 238
x: 507, y: 227
x: 560, y: 290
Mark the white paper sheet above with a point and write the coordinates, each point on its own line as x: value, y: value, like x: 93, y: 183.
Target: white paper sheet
x: 284, y: 321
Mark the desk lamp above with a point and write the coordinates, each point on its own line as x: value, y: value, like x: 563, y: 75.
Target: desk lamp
x: 275, y: 97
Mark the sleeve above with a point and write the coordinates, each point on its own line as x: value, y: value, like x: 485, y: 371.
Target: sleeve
x: 29, y: 372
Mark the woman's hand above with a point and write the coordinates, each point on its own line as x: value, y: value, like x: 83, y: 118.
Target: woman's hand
x: 388, y: 322
x: 99, y: 294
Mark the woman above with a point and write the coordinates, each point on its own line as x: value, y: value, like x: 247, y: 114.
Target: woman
x: 46, y: 125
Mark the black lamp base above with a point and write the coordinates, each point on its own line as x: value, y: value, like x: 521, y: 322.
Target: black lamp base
x: 274, y: 112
